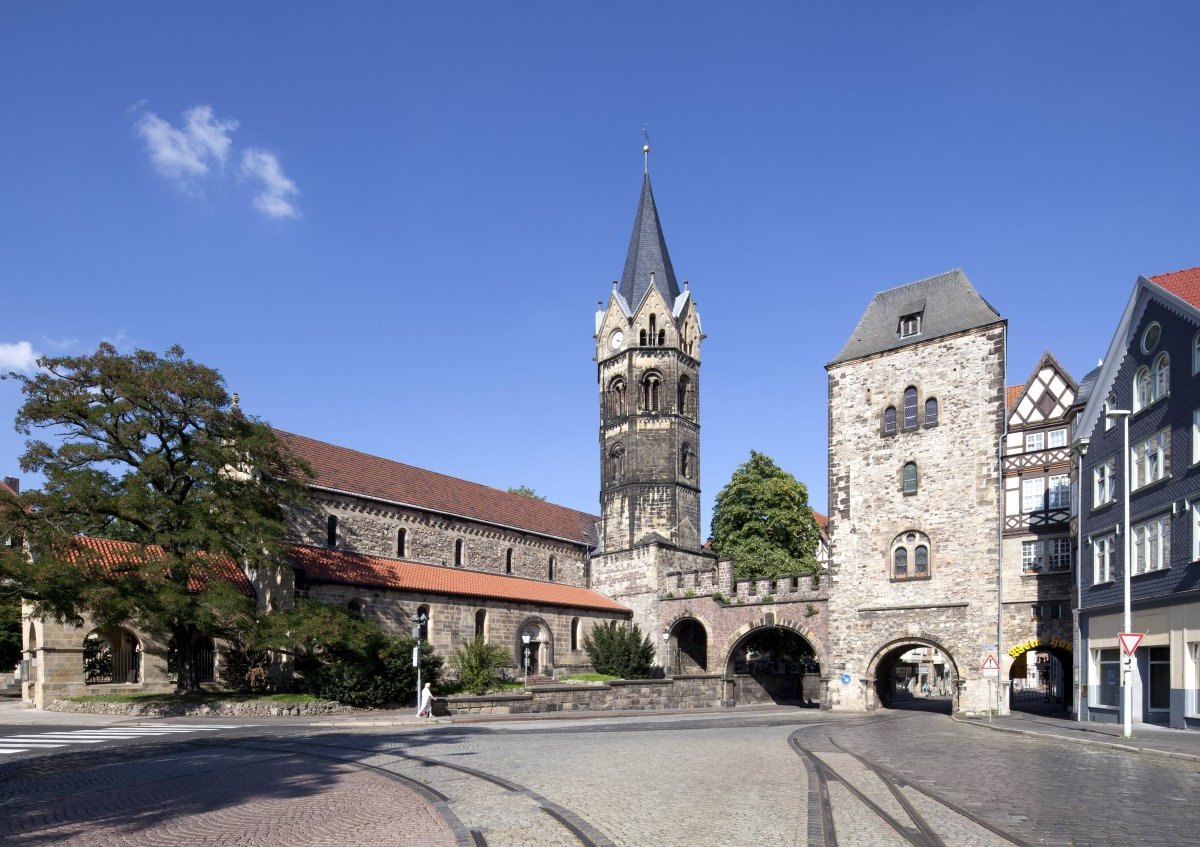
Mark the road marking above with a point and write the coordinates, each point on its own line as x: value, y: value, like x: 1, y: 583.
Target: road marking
x: 40, y: 741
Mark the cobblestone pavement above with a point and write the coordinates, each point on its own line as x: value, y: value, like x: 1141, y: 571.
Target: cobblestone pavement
x: 727, y: 779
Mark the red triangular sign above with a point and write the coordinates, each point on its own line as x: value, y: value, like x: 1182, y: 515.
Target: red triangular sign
x: 990, y: 664
x: 1130, y: 641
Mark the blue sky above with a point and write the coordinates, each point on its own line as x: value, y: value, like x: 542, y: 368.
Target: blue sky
x: 388, y: 225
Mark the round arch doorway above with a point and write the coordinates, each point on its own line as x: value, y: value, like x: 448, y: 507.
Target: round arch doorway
x: 774, y: 664
x: 914, y: 674
x: 1041, y: 679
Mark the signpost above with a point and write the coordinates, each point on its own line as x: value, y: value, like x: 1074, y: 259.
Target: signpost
x: 1130, y: 641
x: 991, y: 670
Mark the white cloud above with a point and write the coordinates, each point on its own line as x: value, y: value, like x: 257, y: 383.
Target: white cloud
x: 183, y: 154
x: 18, y: 357
x: 275, y: 199
x: 61, y: 343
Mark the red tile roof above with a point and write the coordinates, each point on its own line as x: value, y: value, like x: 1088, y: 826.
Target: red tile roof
x: 352, y: 472
x: 1012, y: 394
x: 1184, y: 284
x: 4, y: 489
x: 111, y: 556
x: 340, y: 566
x: 822, y: 521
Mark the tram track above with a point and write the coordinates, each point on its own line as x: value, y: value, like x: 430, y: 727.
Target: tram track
x: 856, y: 812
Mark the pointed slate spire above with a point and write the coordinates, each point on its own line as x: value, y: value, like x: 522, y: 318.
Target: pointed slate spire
x: 647, y: 258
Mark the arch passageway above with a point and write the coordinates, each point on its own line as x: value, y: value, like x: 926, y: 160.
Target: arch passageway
x: 775, y: 664
x: 915, y: 674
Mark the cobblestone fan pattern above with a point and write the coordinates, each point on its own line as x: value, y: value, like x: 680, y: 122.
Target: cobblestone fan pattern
x: 1041, y: 792
x: 686, y: 787
x: 211, y: 798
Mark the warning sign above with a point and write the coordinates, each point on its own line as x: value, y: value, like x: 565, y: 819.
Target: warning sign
x: 1130, y: 641
x: 990, y: 666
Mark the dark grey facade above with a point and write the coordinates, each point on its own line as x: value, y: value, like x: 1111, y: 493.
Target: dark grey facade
x: 1150, y: 370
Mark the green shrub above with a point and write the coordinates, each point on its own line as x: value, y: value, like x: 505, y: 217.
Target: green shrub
x: 718, y: 596
x: 477, y: 663
x: 619, y: 651
x: 245, y: 669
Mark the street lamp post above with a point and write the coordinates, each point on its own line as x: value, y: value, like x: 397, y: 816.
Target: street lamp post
x: 417, y: 622
x: 1127, y: 624
x: 666, y: 652
x: 525, y: 640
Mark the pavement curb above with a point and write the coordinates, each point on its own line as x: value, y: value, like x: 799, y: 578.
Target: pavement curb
x: 1110, y: 745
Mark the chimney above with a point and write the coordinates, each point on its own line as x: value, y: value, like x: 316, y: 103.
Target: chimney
x: 13, y: 483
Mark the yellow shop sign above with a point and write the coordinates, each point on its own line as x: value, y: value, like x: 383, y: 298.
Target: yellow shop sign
x: 1035, y: 643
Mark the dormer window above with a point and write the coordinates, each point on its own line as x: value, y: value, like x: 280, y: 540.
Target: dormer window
x: 910, y: 325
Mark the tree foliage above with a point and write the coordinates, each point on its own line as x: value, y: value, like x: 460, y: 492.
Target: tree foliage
x: 619, y: 651
x: 526, y: 491
x: 341, y: 656
x: 146, y: 449
x: 762, y: 520
x: 478, y: 664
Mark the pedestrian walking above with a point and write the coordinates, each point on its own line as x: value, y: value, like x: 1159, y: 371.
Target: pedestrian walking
x: 425, y: 708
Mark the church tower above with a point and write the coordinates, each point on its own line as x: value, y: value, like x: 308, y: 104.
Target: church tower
x: 648, y: 366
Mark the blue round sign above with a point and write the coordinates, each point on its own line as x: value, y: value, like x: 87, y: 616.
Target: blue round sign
x: 845, y: 679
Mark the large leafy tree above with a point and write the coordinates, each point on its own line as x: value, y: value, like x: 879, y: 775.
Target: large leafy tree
x: 762, y: 520
x: 148, y: 449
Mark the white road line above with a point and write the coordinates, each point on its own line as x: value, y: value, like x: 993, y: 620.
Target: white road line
x: 4, y: 751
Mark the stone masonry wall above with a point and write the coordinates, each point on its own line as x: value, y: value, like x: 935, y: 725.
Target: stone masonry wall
x: 365, y: 526
x: 956, y: 506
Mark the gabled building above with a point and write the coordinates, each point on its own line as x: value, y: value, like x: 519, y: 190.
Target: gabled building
x: 1152, y: 371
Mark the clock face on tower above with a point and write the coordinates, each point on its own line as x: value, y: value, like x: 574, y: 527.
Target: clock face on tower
x: 617, y: 339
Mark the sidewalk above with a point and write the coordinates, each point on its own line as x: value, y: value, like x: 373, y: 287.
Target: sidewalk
x: 1149, y: 739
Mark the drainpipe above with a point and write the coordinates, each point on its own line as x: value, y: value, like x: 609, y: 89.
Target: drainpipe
x: 1081, y: 447
x: 1000, y: 523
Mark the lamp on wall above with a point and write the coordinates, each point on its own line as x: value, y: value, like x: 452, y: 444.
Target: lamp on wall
x: 525, y: 638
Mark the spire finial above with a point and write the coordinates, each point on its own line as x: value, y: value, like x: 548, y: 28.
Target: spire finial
x: 646, y: 151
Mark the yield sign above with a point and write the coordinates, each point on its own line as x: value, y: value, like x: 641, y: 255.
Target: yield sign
x: 990, y: 664
x: 1130, y: 641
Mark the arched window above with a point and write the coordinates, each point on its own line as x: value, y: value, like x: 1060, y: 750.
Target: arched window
x: 550, y: 570
x: 458, y: 552
x: 685, y: 461
x: 681, y: 395
x: 331, y: 531
x: 642, y: 338
x: 508, y: 561
x: 910, y: 407
x: 111, y: 656
x: 616, y: 398
x: 1162, y: 376
x: 910, y: 556
x: 889, y: 420
x: 650, y: 388
x: 423, y: 617
x: 931, y: 412
x: 616, y: 462
x: 355, y: 607
x: 1142, y: 389
x: 910, y: 478
x: 1196, y: 354
x: 480, y: 622
x: 662, y: 337
x: 401, y: 545
x: 574, y: 633
x: 653, y: 331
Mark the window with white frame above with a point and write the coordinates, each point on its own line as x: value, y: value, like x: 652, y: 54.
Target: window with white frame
x: 1196, y: 354
x: 1152, y: 545
x: 1195, y: 531
x: 1057, y: 438
x: 1151, y: 459
x: 1033, y: 494
x: 1196, y: 436
x: 1193, y: 678
x: 1161, y: 374
x: 1102, y: 552
x: 1034, y: 441
x: 1110, y: 403
x: 1143, y: 389
x: 1104, y: 483
x: 1031, y: 556
x: 1058, y: 554
x: 1060, y: 491
x: 1108, y: 672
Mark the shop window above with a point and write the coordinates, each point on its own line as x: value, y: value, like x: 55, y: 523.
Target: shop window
x: 1108, y: 675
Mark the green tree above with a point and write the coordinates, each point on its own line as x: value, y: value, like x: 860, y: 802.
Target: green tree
x: 147, y: 449
x: 762, y: 520
x: 526, y: 491
x: 619, y: 651
x: 343, y: 657
x: 478, y: 664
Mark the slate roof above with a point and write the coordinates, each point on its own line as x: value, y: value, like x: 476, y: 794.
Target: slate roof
x: 1086, y: 386
x: 351, y: 472
x: 948, y: 304
x: 111, y: 556
x: 319, y: 564
x: 1183, y: 284
x: 647, y: 254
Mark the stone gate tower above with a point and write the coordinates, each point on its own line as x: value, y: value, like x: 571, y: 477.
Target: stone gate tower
x: 648, y: 366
